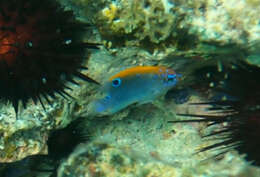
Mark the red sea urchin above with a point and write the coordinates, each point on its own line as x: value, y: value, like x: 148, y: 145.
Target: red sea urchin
x: 238, y: 111
x: 41, y: 47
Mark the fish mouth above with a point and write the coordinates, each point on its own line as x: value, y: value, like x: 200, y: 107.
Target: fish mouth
x: 98, y: 107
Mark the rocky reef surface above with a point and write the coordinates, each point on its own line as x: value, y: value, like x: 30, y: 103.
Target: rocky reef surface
x: 139, y: 141
x: 166, y: 26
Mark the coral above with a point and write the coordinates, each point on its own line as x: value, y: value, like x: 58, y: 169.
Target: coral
x: 197, y: 27
x: 149, y: 20
x: 227, y: 21
x: 141, y: 20
x: 104, y: 160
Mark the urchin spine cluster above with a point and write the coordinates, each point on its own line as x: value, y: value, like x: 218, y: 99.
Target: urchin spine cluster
x: 239, y: 110
x: 41, y: 47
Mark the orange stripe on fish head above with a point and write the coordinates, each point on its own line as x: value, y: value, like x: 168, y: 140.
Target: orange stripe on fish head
x: 142, y: 70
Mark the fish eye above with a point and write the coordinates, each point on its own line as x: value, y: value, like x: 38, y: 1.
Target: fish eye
x: 116, y: 82
x: 171, y: 77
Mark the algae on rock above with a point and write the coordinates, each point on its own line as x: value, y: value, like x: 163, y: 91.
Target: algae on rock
x: 176, y: 25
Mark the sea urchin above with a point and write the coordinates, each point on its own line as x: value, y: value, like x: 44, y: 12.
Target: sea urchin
x: 238, y: 111
x: 41, y: 47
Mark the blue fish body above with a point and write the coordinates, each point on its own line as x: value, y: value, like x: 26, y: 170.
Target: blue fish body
x: 135, y: 85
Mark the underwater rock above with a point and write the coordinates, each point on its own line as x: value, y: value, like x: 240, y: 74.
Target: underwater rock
x: 202, y: 26
x: 144, y: 144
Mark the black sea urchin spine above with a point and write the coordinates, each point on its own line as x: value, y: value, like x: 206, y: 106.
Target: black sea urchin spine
x: 41, y: 47
x: 63, y: 141
x: 61, y: 144
x: 238, y: 112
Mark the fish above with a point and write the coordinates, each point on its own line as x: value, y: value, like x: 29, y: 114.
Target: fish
x: 135, y: 85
